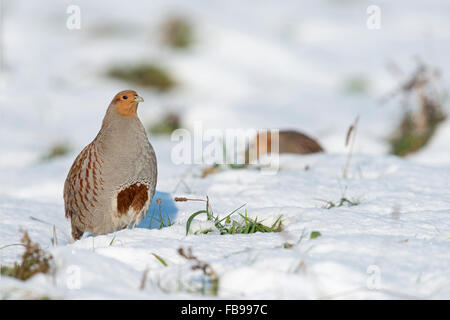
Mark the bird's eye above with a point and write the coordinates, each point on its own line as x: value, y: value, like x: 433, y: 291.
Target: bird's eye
x: 125, y: 97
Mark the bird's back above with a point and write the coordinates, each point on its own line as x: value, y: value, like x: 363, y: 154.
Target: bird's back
x: 289, y: 141
x: 84, y: 188
x: 297, y: 142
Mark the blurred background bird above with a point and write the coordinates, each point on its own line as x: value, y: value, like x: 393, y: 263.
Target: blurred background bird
x: 285, y: 141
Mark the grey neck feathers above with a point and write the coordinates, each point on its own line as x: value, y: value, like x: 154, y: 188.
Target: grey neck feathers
x: 120, y: 132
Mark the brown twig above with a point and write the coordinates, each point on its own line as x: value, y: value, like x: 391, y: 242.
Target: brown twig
x: 55, y: 238
x: 11, y: 245
x: 205, y: 267
x: 143, y: 279
x: 351, y: 135
x: 182, y: 199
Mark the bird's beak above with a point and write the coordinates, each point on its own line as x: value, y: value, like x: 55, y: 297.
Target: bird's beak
x: 138, y: 99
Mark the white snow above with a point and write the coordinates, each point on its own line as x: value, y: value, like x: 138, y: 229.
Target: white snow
x: 264, y: 65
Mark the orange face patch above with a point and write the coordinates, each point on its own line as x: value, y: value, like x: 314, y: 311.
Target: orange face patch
x: 134, y: 196
x: 125, y: 104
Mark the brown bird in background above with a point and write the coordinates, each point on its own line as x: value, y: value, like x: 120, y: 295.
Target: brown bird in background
x: 290, y: 141
x: 111, y: 184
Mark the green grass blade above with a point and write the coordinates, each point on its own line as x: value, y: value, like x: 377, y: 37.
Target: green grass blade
x: 232, y: 212
x: 254, y: 224
x: 151, y: 218
x: 315, y: 234
x: 233, y: 226
x: 160, y: 259
x: 189, y: 221
x: 276, y: 225
x: 112, y: 241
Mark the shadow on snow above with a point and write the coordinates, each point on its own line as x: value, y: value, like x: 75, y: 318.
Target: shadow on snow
x: 168, y: 212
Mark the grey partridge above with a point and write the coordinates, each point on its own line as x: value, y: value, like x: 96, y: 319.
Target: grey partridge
x: 289, y: 141
x: 111, y: 184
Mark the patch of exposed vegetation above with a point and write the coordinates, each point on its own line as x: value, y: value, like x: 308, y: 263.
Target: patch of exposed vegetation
x: 210, y: 279
x: 58, y: 149
x: 210, y: 170
x: 169, y: 123
x: 356, y: 84
x: 150, y: 75
x: 205, y: 282
x: 34, y: 261
x: 420, y: 120
x: 315, y: 234
x: 177, y: 32
x: 312, y: 235
x: 162, y: 218
x: 409, y: 138
x: 342, y: 202
x: 214, y: 168
x: 226, y: 225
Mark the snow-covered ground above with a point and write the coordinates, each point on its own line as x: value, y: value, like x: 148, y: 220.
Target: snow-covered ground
x: 253, y: 65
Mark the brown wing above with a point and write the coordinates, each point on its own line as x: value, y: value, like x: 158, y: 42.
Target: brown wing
x: 290, y: 141
x: 297, y: 142
x: 83, y: 185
